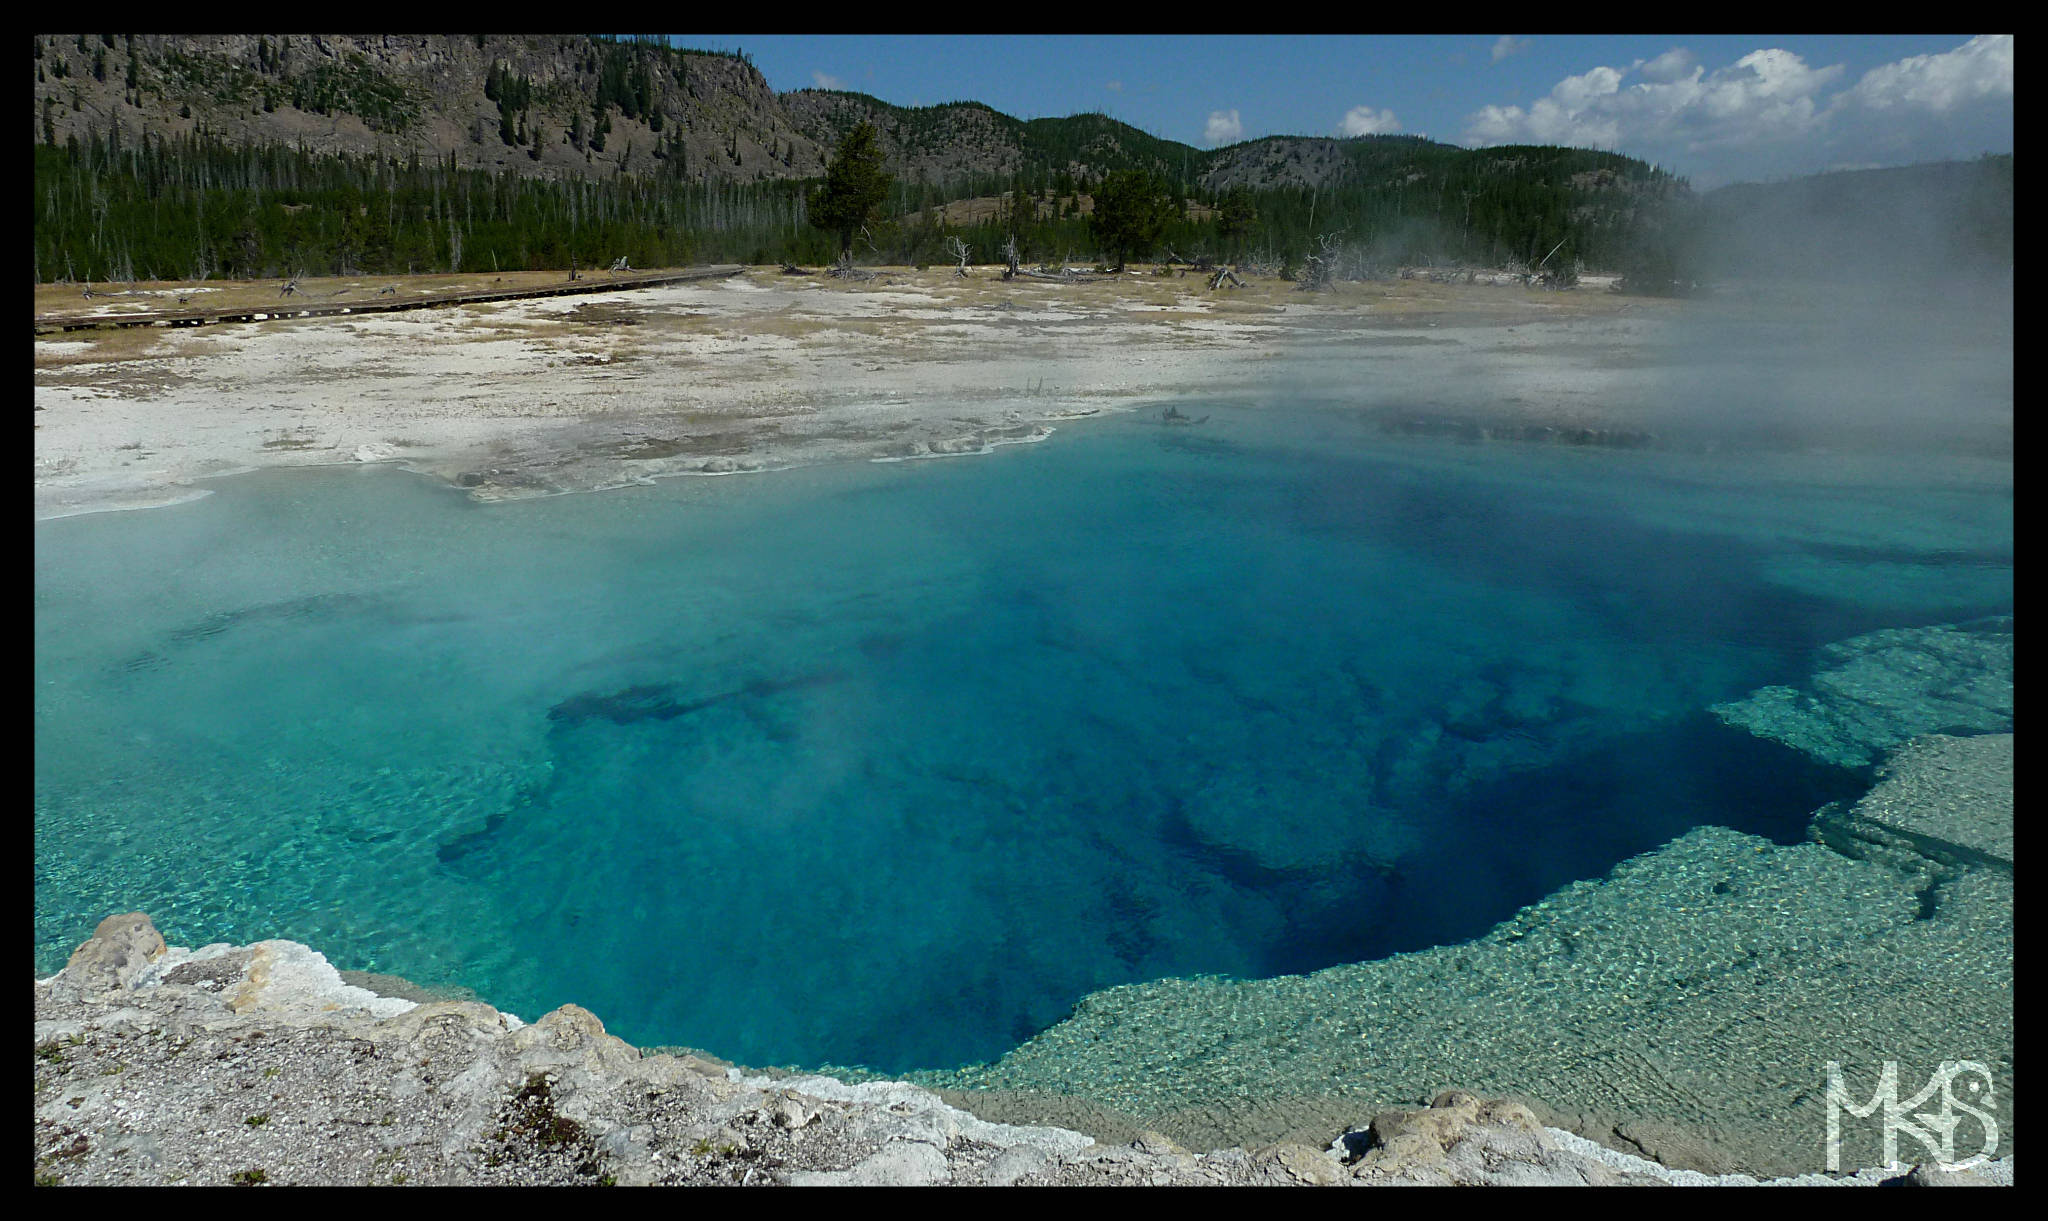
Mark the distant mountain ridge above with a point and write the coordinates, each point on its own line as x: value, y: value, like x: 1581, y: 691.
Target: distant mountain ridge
x: 577, y: 106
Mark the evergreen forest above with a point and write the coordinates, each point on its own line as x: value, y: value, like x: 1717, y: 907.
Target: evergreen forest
x: 196, y: 206
x: 110, y: 208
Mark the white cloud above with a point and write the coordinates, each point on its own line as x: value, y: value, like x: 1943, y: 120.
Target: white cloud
x: 1508, y: 45
x: 1767, y: 97
x: 1980, y: 69
x: 1365, y: 121
x: 1224, y: 127
x: 826, y: 80
x: 1675, y: 64
x: 1114, y: 86
x: 1578, y: 111
x: 1924, y: 107
x: 1770, y: 112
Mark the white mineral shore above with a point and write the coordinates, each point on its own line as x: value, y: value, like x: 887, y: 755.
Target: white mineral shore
x: 260, y: 1064
x: 761, y: 371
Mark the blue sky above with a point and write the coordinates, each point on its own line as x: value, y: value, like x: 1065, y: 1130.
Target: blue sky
x: 1716, y: 108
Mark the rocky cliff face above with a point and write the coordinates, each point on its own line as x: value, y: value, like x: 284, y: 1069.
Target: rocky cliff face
x: 400, y: 94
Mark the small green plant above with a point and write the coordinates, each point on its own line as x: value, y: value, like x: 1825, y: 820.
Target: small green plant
x: 248, y: 1178
x: 534, y: 1115
x: 257, y: 1121
x: 270, y: 1072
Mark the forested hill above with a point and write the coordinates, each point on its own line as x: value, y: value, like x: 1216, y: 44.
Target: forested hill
x: 255, y: 155
x: 1890, y: 224
x: 575, y: 106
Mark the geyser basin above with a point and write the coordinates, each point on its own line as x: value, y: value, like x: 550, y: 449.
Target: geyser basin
x: 888, y: 765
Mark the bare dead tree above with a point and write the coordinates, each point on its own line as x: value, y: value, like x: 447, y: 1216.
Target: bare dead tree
x: 1010, y: 258
x: 1320, y: 268
x: 959, y: 251
x: 1222, y: 275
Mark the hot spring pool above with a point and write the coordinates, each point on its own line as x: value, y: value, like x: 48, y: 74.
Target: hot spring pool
x: 888, y: 765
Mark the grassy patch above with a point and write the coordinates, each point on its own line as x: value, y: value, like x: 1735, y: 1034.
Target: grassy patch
x: 128, y: 343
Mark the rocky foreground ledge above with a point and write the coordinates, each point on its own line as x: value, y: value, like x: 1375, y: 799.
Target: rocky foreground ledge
x: 259, y: 1064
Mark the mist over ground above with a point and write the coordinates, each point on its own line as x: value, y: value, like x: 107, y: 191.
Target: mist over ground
x: 1857, y: 311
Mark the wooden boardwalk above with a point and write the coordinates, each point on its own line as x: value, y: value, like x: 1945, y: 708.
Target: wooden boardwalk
x: 299, y: 307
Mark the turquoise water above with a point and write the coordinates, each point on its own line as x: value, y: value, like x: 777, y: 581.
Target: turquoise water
x: 889, y: 764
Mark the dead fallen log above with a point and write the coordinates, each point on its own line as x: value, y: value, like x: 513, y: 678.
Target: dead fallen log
x: 1059, y: 277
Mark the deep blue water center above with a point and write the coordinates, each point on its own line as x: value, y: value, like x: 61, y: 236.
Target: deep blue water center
x: 889, y: 764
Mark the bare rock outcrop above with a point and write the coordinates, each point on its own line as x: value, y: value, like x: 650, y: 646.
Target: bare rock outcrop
x: 260, y: 1064
x: 1462, y: 1140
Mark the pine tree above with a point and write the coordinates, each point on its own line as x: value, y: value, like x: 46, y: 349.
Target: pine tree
x: 1235, y: 219
x: 855, y: 187
x: 1132, y: 208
